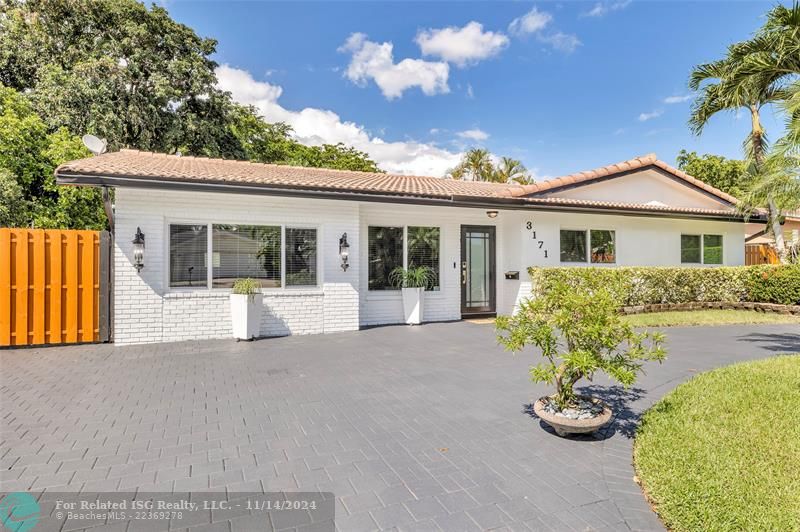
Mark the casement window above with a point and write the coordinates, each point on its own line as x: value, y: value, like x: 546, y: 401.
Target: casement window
x: 601, y: 247
x: 392, y: 247
x: 701, y: 249
x: 276, y: 256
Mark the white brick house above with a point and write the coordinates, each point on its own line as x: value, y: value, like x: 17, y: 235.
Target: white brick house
x: 209, y: 221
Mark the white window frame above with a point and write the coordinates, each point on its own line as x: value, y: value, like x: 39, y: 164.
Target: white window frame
x: 588, y: 234
x: 210, y: 257
x: 405, y: 255
x: 577, y: 230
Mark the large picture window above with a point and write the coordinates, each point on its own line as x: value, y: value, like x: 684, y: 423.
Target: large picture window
x: 392, y: 247
x: 246, y: 251
x: 188, y: 255
x: 271, y: 254
x: 573, y: 246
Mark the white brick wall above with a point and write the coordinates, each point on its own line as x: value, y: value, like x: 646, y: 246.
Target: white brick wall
x: 147, y: 310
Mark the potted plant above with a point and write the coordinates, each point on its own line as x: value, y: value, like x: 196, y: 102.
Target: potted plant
x: 579, y: 331
x: 246, y: 303
x: 412, y: 282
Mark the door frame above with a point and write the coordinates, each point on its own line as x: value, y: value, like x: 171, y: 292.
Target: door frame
x: 491, y: 309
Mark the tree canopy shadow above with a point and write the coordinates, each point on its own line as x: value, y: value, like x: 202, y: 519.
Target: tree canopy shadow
x: 777, y: 342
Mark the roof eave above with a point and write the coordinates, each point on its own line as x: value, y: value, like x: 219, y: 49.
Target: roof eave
x: 505, y: 203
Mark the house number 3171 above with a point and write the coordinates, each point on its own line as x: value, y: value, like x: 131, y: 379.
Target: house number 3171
x: 539, y: 243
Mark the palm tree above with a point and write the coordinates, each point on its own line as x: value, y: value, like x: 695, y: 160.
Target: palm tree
x: 512, y: 171
x: 475, y: 165
x: 723, y: 87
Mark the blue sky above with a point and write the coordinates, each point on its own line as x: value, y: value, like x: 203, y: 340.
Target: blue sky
x: 563, y: 86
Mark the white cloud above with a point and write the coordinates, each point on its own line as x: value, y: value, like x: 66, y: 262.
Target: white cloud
x: 314, y: 126
x: 473, y: 134
x: 602, y: 9
x: 470, y: 92
x: 371, y: 60
x: 461, y: 46
x: 678, y: 98
x: 534, y: 23
x: 563, y: 42
x: 531, y: 22
x: 644, y: 117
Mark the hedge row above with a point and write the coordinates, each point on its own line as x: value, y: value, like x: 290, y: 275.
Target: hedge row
x: 656, y: 285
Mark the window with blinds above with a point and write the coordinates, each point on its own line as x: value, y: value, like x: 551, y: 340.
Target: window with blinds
x: 573, y: 246
x: 385, y: 253
x: 188, y: 255
x: 423, y: 250
x: 246, y: 251
x: 301, y: 257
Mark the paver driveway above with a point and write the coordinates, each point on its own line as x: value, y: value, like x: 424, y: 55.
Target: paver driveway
x: 412, y: 428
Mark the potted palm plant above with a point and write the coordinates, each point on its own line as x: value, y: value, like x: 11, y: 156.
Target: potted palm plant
x: 412, y: 283
x: 246, y: 304
x: 579, y: 331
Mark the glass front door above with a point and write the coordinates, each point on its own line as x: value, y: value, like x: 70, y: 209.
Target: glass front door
x: 477, y: 270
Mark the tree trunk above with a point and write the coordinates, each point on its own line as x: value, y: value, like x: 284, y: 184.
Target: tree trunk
x: 777, y: 231
x: 757, y: 135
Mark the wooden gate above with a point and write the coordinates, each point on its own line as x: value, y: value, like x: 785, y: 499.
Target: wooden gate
x: 54, y: 286
x: 760, y: 254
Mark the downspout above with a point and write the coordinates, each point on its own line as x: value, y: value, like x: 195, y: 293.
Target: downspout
x: 109, y: 209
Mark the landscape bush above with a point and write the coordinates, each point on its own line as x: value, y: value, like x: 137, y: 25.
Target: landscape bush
x: 664, y: 285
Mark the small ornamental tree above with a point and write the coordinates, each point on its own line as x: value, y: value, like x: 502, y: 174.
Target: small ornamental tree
x: 579, y: 331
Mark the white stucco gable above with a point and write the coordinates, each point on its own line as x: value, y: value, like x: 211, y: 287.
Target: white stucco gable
x: 647, y: 186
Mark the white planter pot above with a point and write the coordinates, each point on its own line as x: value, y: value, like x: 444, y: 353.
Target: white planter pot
x: 412, y: 305
x: 246, y: 315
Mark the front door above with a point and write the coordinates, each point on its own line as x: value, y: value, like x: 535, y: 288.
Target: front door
x: 477, y: 270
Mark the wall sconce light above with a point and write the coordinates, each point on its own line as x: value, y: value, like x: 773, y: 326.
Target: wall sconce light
x: 138, y: 250
x: 492, y: 214
x: 344, y: 251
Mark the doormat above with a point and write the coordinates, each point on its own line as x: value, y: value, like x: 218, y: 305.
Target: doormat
x: 481, y: 321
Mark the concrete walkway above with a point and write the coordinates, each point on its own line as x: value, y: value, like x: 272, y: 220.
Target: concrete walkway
x: 423, y: 428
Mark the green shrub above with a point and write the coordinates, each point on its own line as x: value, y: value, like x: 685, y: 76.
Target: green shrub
x: 246, y: 287
x: 774, y: 284
x: 663, y: 285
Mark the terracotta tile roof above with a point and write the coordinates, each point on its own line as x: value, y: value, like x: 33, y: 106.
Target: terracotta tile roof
x: 141, y: 166
x: 156, y: 166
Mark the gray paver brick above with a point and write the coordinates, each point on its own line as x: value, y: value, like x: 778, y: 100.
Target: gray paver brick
x: 365, y: 415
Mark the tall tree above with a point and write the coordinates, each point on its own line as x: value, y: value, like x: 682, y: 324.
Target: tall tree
x: 723, y: 87
x: 510, y: 170
x: 728, y: 175
x: 476, y: 165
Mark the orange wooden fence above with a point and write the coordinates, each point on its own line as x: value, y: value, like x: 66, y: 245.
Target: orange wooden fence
x: 760, y: 254
x: 50, y: 286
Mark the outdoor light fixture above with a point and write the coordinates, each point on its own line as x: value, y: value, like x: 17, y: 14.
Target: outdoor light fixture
x: 138, y: 250
x: 491, y: 214
x: 344, y: 251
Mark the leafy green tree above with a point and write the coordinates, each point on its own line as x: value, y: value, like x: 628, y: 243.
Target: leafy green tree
x: 510, y: 170
x: 28, y: 158
x: 475, y: 165
x: 579, y: 332
x: 728, y: 175
x: 734, y: 83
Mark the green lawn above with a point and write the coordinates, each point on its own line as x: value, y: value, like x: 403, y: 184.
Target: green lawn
x: 708, y: 317
x: 722, y: 451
